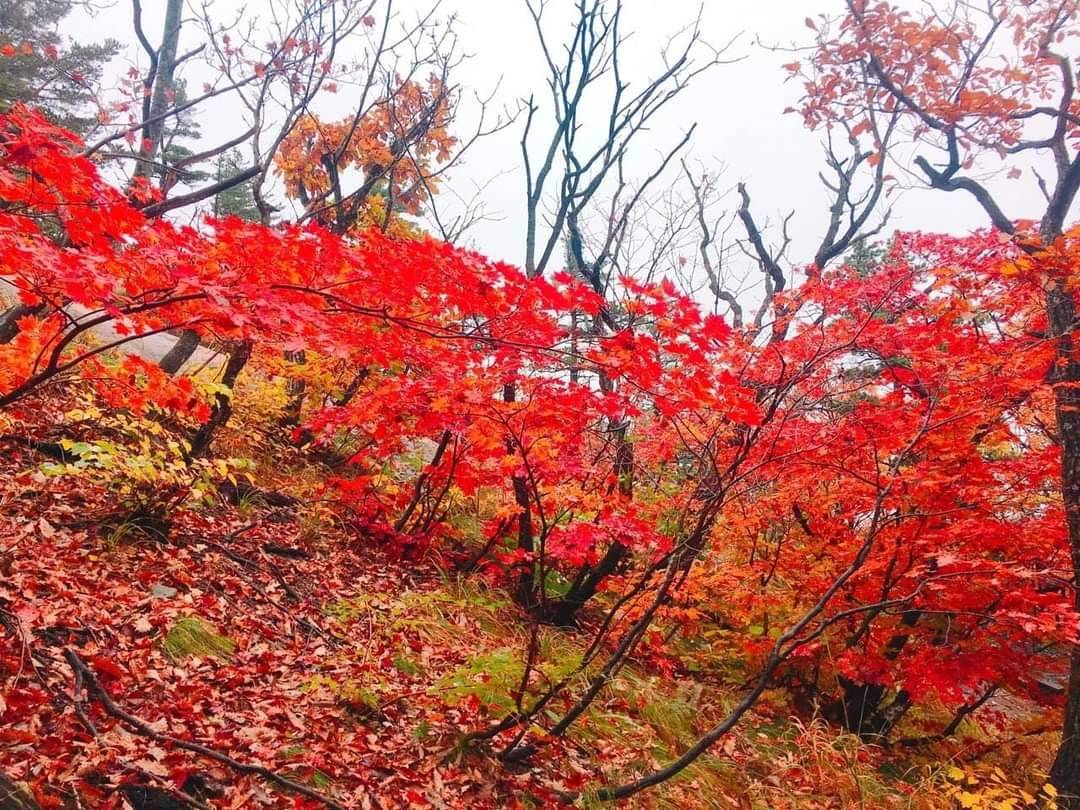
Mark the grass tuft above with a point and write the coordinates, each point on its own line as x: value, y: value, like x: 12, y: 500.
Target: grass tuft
x: 190, y: 636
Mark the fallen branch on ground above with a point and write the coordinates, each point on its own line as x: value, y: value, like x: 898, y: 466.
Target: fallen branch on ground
x: 94, y: 689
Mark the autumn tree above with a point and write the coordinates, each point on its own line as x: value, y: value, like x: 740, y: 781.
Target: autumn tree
x: 396, y: 146
x: 868, y: 128
x: 277, y: 85
x: 237, y: 69
x: 857, y: 474
x: 580, y: 206
x: 274, y: 69
x: 980, y: 85
x: 60, y: 77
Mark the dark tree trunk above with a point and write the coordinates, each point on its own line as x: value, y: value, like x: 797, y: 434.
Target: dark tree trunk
x: 181, y: 352
x: 860, y: 710
x: 164, y: 90
x: 222, y: 410
x: 588, y: 582
x: 1061, y: 312
x: 525, y: 593
x: 9, y: 321
x: 422, y: 485
x: 859, y: 705
x: 352, y: 389
x: 565, y: 612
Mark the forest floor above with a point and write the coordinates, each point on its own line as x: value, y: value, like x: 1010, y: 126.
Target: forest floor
x: 263, y: 643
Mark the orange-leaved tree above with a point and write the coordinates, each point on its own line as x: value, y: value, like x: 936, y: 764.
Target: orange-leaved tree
x: 395, y: 146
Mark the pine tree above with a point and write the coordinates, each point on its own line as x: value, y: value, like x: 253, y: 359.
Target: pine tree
x: 866, y: 257
x: 179, y: 128
x: 45, y: 70
x: 238, y: 200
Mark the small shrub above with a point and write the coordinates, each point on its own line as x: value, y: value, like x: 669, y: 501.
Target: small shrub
x: 145, y: 468
x: 489, y: 679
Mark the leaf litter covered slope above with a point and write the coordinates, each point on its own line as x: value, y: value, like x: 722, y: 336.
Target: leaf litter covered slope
x: 288, y: 689
x: 297, y: 649
x: 256, y: 647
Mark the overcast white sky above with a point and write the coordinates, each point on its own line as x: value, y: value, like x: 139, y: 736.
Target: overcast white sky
x: 738, y: 108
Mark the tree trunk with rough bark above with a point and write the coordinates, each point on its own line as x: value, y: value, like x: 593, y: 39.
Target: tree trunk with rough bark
x: 222, y: 410
x: 181, y: 352
x: 164, y: 90
x: 525, y: 592
x: 1061, y: 312
x: 584, y: 588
